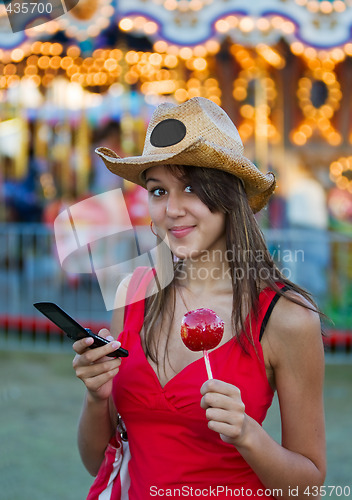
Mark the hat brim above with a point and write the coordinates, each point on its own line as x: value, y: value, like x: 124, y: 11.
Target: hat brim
x: 201, y: 153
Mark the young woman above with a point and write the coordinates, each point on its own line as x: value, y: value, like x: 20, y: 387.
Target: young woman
x: 190, y: 436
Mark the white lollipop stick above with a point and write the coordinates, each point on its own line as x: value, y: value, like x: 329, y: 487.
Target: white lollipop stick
x: 207, y: 364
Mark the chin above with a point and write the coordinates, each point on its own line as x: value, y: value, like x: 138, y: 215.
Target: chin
x: 182, y: 252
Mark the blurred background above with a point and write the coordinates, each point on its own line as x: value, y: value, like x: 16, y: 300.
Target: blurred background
x: 92, y: 77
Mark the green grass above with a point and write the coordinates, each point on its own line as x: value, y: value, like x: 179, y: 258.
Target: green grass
x: 40, y: 404
x: 40, y: 401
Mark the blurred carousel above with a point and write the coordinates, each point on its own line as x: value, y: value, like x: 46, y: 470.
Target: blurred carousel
x: 90, y: 72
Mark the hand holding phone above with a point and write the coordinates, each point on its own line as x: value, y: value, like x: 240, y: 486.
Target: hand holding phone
x: 74, y: 330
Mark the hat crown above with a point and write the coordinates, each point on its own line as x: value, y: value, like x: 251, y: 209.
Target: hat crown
x: 196, y: 133
x: 204, y: 121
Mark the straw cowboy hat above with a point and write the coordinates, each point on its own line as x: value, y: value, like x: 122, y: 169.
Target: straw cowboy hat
x: 199, y: 133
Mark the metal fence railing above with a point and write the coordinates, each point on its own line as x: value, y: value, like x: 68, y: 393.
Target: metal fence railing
x: 30, y: 271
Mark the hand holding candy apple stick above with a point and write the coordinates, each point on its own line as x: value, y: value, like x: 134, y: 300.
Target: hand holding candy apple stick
x: 201, y: 330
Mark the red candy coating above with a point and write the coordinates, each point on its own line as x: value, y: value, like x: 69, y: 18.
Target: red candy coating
x: 201, y: 329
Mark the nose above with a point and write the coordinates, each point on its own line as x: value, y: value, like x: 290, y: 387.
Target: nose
x: 175, y: 206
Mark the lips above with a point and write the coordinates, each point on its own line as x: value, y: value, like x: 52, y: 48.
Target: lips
x: 181, y: 231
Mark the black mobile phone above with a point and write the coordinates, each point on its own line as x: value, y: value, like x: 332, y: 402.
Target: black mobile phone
x: 73, y: 329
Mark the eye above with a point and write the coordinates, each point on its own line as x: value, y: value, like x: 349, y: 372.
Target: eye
x: 157, y: 192
x: 189, y: 189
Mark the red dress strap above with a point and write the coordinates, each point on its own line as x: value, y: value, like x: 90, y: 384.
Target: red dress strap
x: 135, y: 297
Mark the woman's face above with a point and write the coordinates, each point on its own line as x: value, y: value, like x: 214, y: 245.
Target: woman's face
x: 177, y: 212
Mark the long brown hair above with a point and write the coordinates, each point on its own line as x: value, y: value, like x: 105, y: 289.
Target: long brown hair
x: 252, y: 268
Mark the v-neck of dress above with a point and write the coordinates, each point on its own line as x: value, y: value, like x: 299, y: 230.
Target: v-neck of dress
x: 181, y: 372
x: 164, y: 387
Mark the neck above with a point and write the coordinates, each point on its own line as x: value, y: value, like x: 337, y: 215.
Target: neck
x: 209, y: 270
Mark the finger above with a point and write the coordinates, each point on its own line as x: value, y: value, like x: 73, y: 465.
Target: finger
x: 216, y: 400
x: 96, y: 354
x: 104, y: 332
x: 224, y: 416
x: 224, y: 429
x: 94, y: 370
x: 218, y: 386
x: 80, y: 346
x: 93, y: 384
x: 228, y: 399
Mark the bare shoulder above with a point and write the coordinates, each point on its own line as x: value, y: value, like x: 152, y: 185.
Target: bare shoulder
x: 119, y: 306
x: 121, y: 291
x: 294, y: 349
x: 294, y: 317
x: 293, y: 329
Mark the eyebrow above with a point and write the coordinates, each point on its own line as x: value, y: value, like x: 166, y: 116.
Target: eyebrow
x: 151, y: 179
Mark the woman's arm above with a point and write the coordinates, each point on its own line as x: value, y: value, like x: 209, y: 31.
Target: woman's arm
x: 98, y: 417
x: 297, y: 357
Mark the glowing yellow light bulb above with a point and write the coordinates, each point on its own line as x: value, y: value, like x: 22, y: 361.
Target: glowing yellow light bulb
x: 126, y: 24
x: 222, y: 26
x: 246, y: 24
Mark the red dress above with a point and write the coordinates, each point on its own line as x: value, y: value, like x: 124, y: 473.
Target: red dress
x: 173, y: 453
